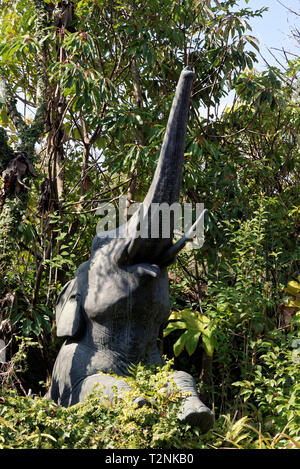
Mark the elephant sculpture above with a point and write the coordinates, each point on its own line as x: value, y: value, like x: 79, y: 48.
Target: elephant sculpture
x: 112, y: 311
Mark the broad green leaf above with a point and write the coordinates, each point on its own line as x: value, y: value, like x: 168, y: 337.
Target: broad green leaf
x: 192, y: 342
x: 192, y: 322
x: 208, y: 344
x: 172, y: 326
x: 180, y: 343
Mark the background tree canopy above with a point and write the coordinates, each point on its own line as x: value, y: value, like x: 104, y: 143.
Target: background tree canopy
x: 86, y: 87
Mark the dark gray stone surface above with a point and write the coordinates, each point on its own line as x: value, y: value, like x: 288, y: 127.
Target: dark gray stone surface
x: 112, y: 311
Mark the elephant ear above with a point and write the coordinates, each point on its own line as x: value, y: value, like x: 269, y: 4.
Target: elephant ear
x: 69, y: 320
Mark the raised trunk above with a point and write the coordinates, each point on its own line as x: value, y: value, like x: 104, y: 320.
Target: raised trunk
x: 166, y: 184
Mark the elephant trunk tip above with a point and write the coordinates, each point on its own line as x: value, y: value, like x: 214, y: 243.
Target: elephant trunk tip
x: 187, y: 71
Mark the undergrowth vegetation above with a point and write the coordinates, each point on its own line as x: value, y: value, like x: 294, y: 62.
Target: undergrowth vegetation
x: 27, y: 422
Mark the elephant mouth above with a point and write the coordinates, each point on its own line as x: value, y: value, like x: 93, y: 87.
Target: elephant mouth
x: 142, y: 269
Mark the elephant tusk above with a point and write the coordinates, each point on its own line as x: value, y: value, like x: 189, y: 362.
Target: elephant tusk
x: 170, y: 255
x: 190, y: 235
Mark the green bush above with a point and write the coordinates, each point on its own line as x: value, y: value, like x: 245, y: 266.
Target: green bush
x: 36, y: 423
x: 271, y: 391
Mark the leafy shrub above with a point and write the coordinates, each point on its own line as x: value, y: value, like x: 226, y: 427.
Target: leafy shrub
x: 271, y: 391
x: 194, y: 325
x: 38, y: 423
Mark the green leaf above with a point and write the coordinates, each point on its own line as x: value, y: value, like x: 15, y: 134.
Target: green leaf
x: 192, y: 322
x: 172, y: 326
x: 180, y: 343
x: 208, y: 344
x: 192, y: 342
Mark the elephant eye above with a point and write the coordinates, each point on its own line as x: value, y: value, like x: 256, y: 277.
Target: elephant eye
x: 75, y: 296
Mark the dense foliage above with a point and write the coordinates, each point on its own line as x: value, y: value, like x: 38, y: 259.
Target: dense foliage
x: 88, y: 102
x: 39, y: 424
